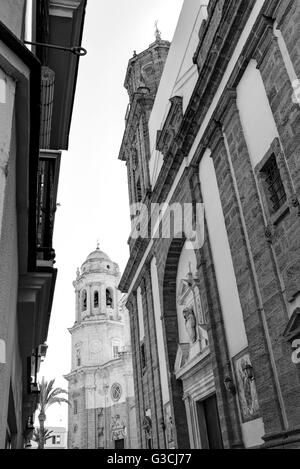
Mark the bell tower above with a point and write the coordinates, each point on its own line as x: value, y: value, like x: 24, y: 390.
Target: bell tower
x: 101, y: 357
x: 141, y: 82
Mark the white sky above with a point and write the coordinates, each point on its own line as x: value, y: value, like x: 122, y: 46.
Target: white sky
x: 93, y: 183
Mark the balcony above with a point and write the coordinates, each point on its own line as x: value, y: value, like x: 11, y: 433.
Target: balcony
x: 48, y: 173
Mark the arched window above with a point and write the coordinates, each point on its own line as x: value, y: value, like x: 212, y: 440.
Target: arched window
x: 83, y: 300
x: 96, y: 299
x: 109, y: 298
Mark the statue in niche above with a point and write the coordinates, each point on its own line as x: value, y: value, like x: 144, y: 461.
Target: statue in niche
x: 190, y: 323
x: 170, y: 430
x: 147, y: 427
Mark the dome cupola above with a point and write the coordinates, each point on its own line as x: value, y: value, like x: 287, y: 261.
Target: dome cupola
x: 98, y: 261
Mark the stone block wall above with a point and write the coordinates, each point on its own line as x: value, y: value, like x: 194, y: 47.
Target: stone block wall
x: 264, y: 248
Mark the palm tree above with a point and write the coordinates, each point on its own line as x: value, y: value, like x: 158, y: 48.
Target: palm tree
x: 37, y: 435
x: 48, y: 396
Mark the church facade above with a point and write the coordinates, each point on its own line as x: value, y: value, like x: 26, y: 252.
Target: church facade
x: 211, y: 145
x: 100, y: 384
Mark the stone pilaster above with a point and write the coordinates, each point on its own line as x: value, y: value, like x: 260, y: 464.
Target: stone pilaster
x: 77, y: 305
x: 137, y: 369
x: 260, y: 289
x: 102, y: 299
x: 150, y: 332
x: 227, y: 406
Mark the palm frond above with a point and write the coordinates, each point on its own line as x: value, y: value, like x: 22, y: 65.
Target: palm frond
x: 37, y: 434
x: 57, y: 400
x: 55, y: 392
x: 50, y: 395
x: 49, y: 387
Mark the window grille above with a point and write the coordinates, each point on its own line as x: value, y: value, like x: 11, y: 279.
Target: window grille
x: 274, y: 187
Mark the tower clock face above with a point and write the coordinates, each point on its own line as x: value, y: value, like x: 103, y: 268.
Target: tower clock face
x: 95, y: 346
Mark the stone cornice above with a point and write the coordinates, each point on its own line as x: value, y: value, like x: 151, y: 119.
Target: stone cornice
x: 135, y: 258
x: 95, y: 320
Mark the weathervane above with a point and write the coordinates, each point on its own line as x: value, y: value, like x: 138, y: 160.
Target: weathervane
x: 157, y: 31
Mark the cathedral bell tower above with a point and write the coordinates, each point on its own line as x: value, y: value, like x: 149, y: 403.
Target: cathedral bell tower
x: 100, y: 381
x: 96, y: 288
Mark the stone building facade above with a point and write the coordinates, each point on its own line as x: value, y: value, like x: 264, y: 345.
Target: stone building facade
x: 102, y: 411
x: 37, y: 88
x: 214, y: 304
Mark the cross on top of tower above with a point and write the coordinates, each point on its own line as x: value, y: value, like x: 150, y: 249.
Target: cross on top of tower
x: 157, y: 31
x: 98, y: 245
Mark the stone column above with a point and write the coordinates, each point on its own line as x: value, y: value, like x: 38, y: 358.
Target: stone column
x: 102, y: 299
x: 77, y: 306
x: 89, y: 299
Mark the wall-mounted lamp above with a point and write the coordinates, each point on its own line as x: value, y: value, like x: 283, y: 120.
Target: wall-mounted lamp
x: 229, y: 385
x: 249, y: 371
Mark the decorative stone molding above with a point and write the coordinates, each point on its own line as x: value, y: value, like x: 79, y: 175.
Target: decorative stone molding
x: 208, y: 31
x: 166, y: 136
x: 142, y: 102
x: 266, y: 34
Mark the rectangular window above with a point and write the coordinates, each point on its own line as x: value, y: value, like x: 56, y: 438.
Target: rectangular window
x: 58, y: 439
x: 274, y: 188
x: 75, y: 409
x: 53, y: 440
